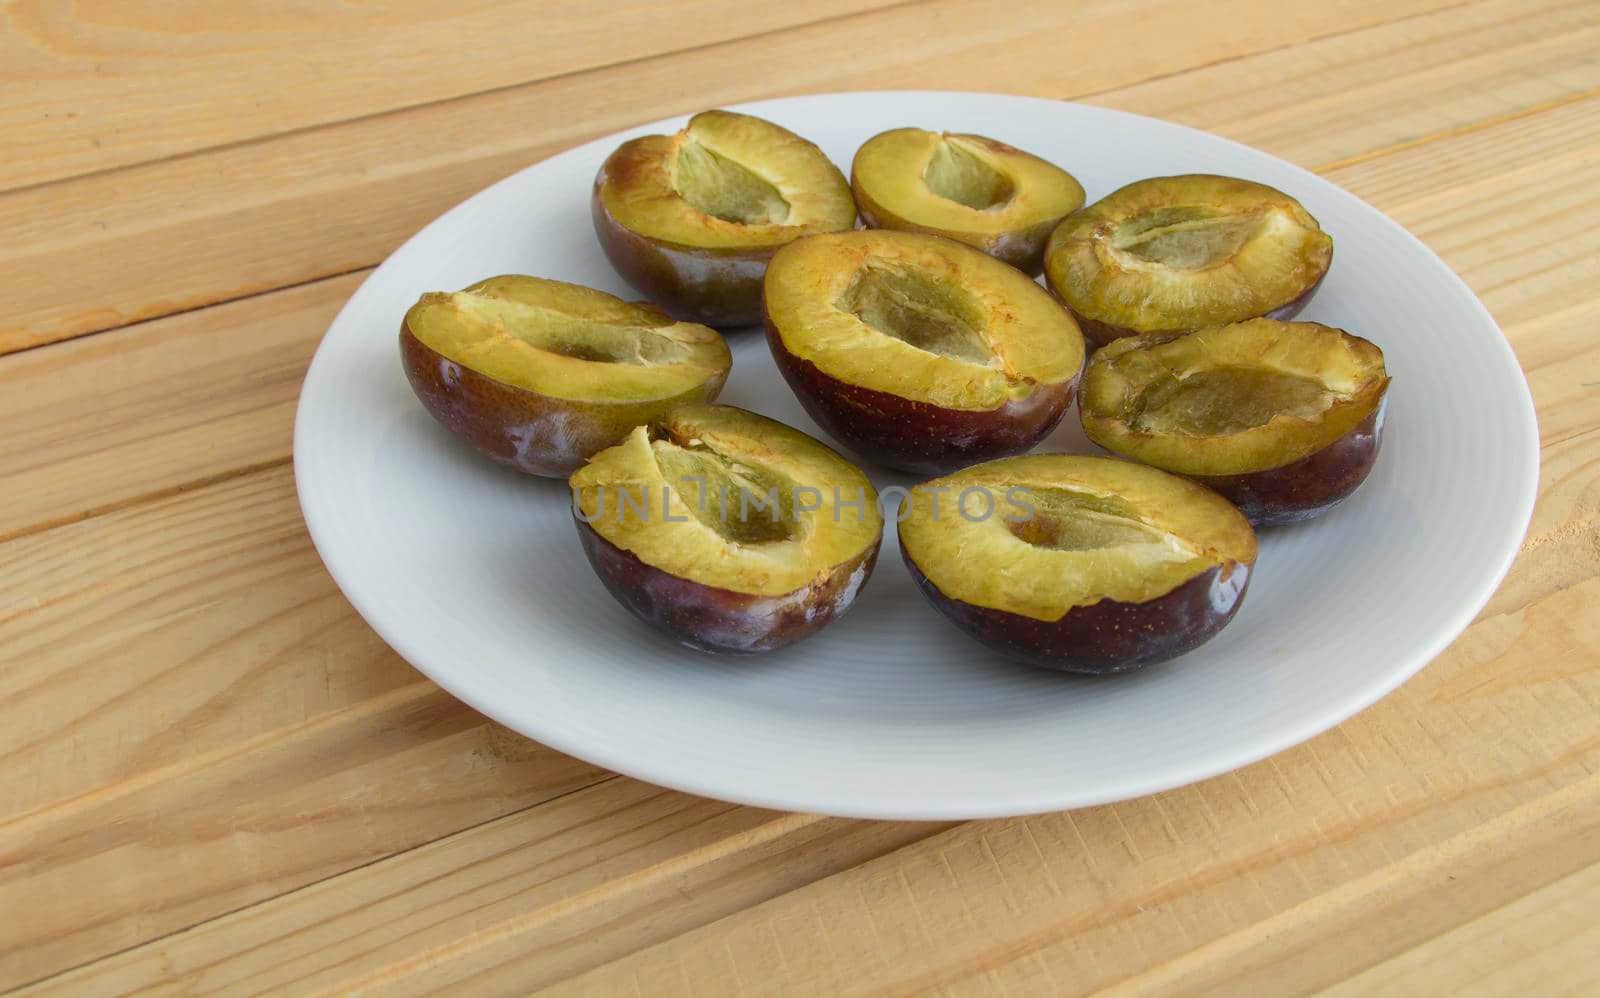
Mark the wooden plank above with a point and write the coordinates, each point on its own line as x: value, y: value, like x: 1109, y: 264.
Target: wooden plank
x: 1393, y: 85
x: 1508, y: 207
x: 217, y: 832
x: 577, y: 882
x: 139, y: 412
x: 112, y: 84
x: 1409, y: 790
x: 1544, y: 943
x: 135, y: 640
x: 132, y: 244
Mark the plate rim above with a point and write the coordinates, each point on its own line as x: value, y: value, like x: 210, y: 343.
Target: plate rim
x: 1307, y: 726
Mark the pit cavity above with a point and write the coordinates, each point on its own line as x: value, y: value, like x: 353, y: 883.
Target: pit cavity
x: 722, y: 188
x: 934, y: 316
x: 1065, y: 519
x: 732, y: 497
x: 557, y: 332
x: 1226, y: 400
x: 1186, y: 237
x: 957, y: 174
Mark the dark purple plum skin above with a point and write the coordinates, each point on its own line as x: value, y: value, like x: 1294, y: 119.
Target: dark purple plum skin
x: 1021, y: 248
x: 1310, y: 486
x: 1105, y: 637
x: 1097, y: 334
x: 916, y: 436
x: 718, y: 289
x: 711, y: 619
x: 522, y: 429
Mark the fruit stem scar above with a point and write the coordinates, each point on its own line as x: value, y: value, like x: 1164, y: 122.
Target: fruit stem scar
x: 765, y: 509
x: 1068, y: 519
x: 1223, y: 400
x: 724, y: 188
x: 956, y: 173
x: 579, y: 337
x: 1185, y: 237
x: 931, y: 315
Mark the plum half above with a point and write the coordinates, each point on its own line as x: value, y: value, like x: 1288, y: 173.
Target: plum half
x: 727, y: 530
x: 1170, y: 254
x: 1080, y: 564
x: 919, y: 352
x: 1283, y: 418
x: 973, y: 189
x: 691, y: 219
x: 541, y: 374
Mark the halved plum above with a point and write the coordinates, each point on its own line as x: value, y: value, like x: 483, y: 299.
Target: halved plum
x: 1081, y: 564
x: 691, y: 219
x: 1283, y: 418
x: 730, y: 531
x: 976, y: 190
x: 919, y: 352
x: 540, y: 374
x: 1171, y: 254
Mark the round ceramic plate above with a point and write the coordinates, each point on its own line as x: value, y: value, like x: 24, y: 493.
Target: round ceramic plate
x: 474, y: 573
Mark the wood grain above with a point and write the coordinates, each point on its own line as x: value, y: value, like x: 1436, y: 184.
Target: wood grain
x: 102, y: 78
x: 182, y: 626
x: 1361, y: 93
x: 252, y: 518
x: 139, y: 412
x: 575, y: 882
x: 1544, y: 942
x: 216, y: 832
x: 213, y: 776
x: 132, y: 244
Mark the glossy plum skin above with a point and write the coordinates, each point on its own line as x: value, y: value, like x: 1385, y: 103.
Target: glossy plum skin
x: 916, y: 436
x: 718, y: 289
x: 1105, y: 637
x: 1097, y: 334
x: 710, y: 619
x: 522, y: 429
x: 1022, y: 248
x: 1310, y: 486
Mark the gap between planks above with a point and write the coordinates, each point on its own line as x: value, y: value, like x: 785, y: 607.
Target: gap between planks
x: 292, y: 115
x: 1348, y: 899
x: 426, y: 687
x: 1309, y: 40
x: 1449, y: 133
x: 855, y: 15
x: 139, y: 499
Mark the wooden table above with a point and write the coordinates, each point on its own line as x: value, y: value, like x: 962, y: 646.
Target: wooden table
x: 213, y: 775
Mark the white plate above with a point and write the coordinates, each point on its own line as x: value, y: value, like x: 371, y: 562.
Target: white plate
x: 474, y: 574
